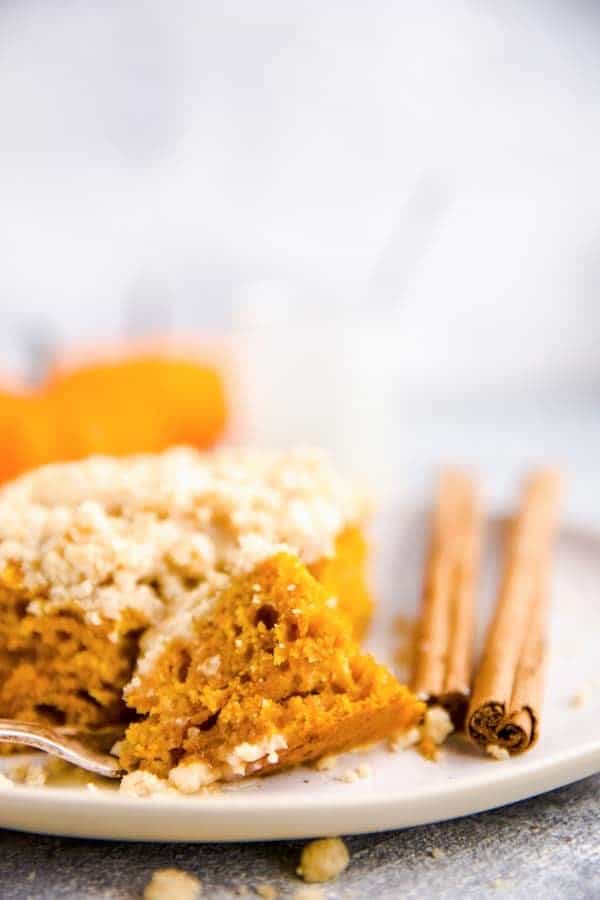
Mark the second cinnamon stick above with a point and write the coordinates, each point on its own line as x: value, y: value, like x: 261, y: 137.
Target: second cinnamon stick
x: 444, y: 649
x: 505, y: 706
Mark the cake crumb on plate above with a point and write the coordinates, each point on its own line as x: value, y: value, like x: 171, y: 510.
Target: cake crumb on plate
x: 437, y: 725
x: 582, y: 696
x: 30, y: 774
x: 348, y: 777
x: 497, y: 752
x: 143, y: 784
x: 405, y: 740
x: 326, y: 763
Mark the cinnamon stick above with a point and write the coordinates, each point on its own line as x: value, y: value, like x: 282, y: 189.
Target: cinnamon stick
x: 444, y: 649
x: 505, y: 706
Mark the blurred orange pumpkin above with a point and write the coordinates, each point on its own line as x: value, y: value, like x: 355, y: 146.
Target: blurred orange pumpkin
x: 139, y: 401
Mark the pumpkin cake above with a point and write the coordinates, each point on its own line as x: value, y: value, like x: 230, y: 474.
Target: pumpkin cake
x: 270, y: 678
x: 131, y: 588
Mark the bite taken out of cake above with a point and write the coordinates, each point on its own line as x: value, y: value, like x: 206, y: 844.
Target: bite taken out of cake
x: 208, y: 603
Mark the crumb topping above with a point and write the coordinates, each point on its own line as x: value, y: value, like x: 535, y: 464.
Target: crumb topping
x: 405, y: 740
x: 246, y: 758
x: 437, y: 725
x: 143, y: 784
x: 162, y: 534
x: 191, y: 777
x: 265, y: 750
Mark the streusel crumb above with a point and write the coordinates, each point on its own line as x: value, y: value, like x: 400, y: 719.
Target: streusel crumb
x: 326, y: 763
x: 174, y: 884
x: 437, y: 725
x: 405, y: 740
x: 143, y: 784
x: 267, y: 891
x: 309, y: 892
x: 103, y: 531
x: 323, y: 860
x: 497, y: 752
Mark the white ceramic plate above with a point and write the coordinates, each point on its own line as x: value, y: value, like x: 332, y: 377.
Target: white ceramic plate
x: 404, y: 789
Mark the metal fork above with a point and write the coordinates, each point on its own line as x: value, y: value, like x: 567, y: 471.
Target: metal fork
x: 52, y: 741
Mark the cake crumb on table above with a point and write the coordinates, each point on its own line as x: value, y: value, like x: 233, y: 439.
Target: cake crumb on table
x: 174, y: 884
x: 323, y: 860
x: 267, y: 891
x: 309, y: 892
x: 497, y: 752
x: 437, y: 853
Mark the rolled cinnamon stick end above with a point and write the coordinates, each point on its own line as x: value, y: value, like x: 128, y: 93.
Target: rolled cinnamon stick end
x: 442, y: 673
x: 505, y: 707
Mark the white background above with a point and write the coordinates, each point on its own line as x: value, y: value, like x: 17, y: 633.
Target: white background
x: 434, y: 164
x: 158, y: 154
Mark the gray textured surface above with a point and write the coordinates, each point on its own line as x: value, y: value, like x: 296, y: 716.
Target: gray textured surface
x: 548, y: 847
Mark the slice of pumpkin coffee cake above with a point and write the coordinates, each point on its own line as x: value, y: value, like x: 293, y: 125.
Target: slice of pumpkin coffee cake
x: 271, y: 678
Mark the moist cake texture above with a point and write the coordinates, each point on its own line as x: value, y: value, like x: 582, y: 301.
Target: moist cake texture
x: 270, y: 678
x: 128, y: 589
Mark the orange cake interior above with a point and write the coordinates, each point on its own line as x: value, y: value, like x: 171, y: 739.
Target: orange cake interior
x: 58, y: 670
x: 272, y: 677
x: 120, y: 576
